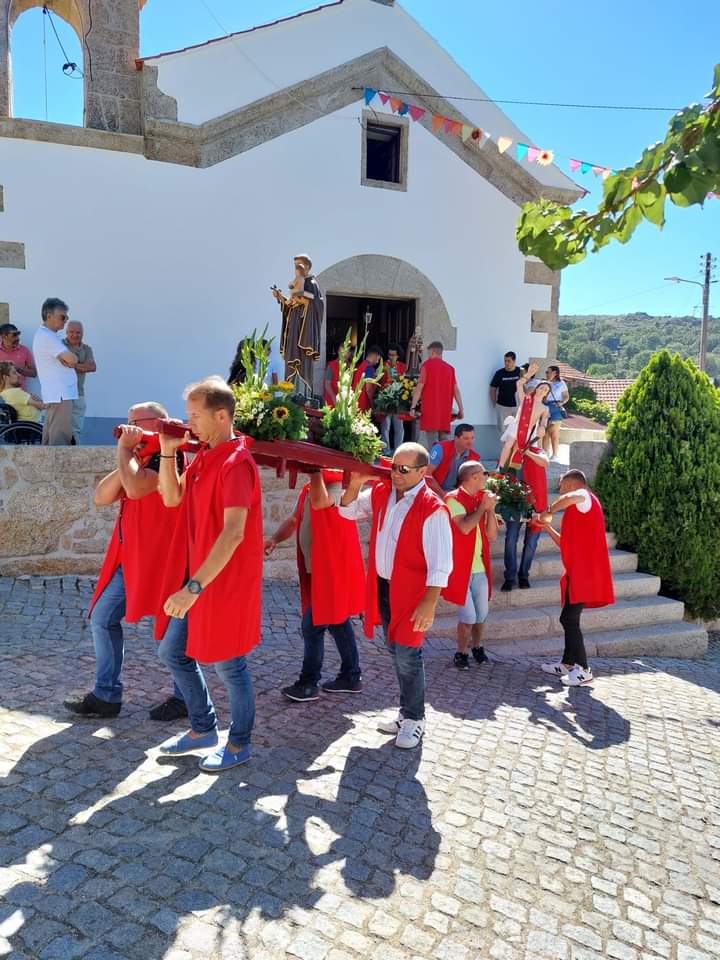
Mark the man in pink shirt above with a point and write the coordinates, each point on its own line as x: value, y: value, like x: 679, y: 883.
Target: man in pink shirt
x: 12, y: 351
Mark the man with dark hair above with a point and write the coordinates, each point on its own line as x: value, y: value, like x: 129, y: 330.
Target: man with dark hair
x: 447, y: 456
x: 437, y: 387
x: 367, y: 370
x: 213, y: 579
x: 503, y: 388
x: 587, y: 578
x: 393, y: 371
x: 12, y: 351
x: 409, y: 562
x: 56, y: 371
x: 129, y: 586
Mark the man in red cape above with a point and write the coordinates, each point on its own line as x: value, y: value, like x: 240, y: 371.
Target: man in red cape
x: 128, y: 586
x: 437, y: 388
x: 474, y: 527
x: 587, y: 580
x: 394, y: 369
x: 213, y: 578
x: 332, y: 584
x: 367, y: 370
x: 446, y: 457
x: 332, y: 380
x: 409, y: 562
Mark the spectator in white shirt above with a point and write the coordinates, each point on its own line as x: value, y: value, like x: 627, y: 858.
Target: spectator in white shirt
x: 409, y: 563
x: 56, y: 371
x: 86, y: 364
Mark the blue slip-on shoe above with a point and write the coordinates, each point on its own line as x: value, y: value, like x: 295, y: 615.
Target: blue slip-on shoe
x: 224, y: 759
x: 184, y: 743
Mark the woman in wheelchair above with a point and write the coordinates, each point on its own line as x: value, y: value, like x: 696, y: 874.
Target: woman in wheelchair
x: 27, y: 406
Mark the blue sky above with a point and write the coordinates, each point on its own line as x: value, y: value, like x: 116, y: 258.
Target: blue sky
x: 651, y: 53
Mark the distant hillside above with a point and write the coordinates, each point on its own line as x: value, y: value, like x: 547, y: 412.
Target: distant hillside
x: 616, y: 347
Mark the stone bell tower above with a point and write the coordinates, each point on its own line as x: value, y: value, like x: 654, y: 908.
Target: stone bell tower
x: 109, y: 34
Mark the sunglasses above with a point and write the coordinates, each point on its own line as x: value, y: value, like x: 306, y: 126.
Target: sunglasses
x: 403, y: 468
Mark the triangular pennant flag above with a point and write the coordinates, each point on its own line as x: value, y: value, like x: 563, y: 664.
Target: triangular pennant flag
x: 532, y: 154
x: 606, y: 173
x: 370, y: 94
x: 448, y: 124
x: 395, y: 104
x: 574, y: 165
x: 437, y: 122
x: 384, y: 97
x: 417, y: 113
x: 585, y: 168
x: 522, y: 149
x: 466, y: 131
x: 455, y: 128
x: 402, y: 109
x: 597, y: 170
x: 503, y: 143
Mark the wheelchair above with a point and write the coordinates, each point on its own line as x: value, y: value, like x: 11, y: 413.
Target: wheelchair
x: 14, y: 431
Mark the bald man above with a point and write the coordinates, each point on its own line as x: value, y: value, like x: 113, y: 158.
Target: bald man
x: 86, y: 364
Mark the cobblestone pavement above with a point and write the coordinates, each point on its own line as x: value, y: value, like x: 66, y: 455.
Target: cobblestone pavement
x: 534, y: 822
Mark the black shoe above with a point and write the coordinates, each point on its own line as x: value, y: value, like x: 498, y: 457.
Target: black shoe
x: 340, y: 685
x: 479, y: 655
x: 92, y: 706
x: 523, y: 584
x: 461, y: 661
x: 171, y: 709
x: 301, y: 692
x: 507, y: 586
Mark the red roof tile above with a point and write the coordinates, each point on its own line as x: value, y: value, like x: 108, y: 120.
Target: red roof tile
x: 608, y: 391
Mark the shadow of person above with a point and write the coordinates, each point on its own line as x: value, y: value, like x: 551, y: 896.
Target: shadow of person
x: 580, y: 715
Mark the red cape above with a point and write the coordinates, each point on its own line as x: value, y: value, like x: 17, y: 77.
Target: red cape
x: 224, y: 622
x: 464, y: 551
x: 336, y: 589
x: 585, y: 556
x: 437, y: 395
x: 535, y: 477
x: 408, y: 582
x: 334, y: 368
x: 363, y: 399
x: 139, y: 542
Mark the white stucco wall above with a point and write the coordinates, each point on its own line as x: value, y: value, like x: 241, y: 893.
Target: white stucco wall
x: 211, y: 80
x: 168, y: 266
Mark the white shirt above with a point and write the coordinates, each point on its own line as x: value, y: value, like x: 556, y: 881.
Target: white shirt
x: 586, y: 503
x: 437, y: 535
x: 57, y: 382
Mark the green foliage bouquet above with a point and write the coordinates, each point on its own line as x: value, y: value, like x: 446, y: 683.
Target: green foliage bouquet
x: 265, y: 411
x: 345, y: 426
x: 515, y: 499
x: 396, y: 396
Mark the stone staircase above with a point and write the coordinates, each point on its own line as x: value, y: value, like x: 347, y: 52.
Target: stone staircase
x: 525, y: 622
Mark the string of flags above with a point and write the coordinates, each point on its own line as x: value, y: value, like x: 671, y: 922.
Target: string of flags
x: 476, y: 135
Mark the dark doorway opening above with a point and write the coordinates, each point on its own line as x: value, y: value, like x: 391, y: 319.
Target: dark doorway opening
x: 386, y: 321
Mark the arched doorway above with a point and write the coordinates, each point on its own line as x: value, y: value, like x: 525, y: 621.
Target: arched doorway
x: 397, y: 294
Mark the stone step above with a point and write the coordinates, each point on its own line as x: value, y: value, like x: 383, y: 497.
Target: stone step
x: 547, y: 565
x: 677, y: 639
x: 545, y: 544
x: 547, y: 592
x: 523, y: 624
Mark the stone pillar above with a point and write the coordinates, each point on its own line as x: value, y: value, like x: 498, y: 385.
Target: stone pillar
x: 112, y: 82
x: 4, y: 58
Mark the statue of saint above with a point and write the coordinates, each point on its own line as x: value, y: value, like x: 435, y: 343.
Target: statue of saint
x: 302, y: 319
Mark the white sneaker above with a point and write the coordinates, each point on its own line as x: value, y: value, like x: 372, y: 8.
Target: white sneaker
x: 555, y: 459
x: 410, y: 733
x: 577, y: 677
x: 555, y: 669
x: 391, y: 726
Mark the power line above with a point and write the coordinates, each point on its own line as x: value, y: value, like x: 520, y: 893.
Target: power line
x: 629, y: 296
x: 529, y: 103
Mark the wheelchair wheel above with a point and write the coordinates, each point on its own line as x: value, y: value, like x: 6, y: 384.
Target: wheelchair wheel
x: 22, y: 432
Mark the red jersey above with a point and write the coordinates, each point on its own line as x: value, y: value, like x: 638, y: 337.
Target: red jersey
x: 334, y: 368
x: 585, y: 556
x: 464, y: 551
x: 439, y: 381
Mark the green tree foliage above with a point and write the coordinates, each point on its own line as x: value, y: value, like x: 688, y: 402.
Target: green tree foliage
x: 660, y: 484
x: 685, y: 167
x: 630, y: 339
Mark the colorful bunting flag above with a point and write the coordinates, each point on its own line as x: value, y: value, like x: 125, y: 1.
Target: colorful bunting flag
x: 597, y: 170
x: 369, y: 95
x: 532, y: 154
x: 503, y: 143
x: 417, y: 113
x: 395, y: 104
x: 466, y: 131
x: 585, y: 167
x: 606, y: 173
x: 437, y: 122
x: 574, y: 166
x: 384, y: 97
x: 545, y: 158
x: 476, y: 135
x: 403, y: 109
x: 522, y: 149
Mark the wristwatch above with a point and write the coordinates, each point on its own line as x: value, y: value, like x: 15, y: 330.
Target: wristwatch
x: 194, y: 587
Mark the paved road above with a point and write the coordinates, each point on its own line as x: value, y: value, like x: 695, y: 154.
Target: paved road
x: 534, y: 823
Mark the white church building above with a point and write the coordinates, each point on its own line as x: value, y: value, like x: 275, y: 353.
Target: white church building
x: 200, y: 173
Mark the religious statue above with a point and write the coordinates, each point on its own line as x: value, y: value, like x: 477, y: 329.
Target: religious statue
x: 414, y: 353
x: 302, y: 318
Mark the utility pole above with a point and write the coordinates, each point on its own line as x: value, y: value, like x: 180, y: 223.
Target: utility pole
x: 706, y: 311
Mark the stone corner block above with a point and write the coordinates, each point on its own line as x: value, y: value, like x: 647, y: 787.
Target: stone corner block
x: 12, y: 254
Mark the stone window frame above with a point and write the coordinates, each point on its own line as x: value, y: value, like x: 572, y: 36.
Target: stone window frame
x: 385, y: 120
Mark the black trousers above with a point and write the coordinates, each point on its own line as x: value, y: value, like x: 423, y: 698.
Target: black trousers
x: 574, y: 643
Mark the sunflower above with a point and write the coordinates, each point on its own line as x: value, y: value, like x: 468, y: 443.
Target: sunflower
x: 285, y: 386
x: 265, y: 395
x: 279, y: 413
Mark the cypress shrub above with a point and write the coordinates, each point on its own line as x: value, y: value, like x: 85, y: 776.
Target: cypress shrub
x: 660, y: 482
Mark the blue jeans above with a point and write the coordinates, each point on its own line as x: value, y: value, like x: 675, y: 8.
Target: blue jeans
x: 512, y: 534
x: 398, y: 428
x: 107, y: 634
x: 314, y: 637
x: 408, y: 661
x: 190, y: 679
